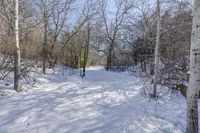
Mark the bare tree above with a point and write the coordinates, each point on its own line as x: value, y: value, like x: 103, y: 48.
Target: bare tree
x: 45, y: 8
x: 194, y: 81
x: 17, y: 57
x: 157, y: 50
x: 89, y: 12
x: 113, y: 28
x: 60, y: 10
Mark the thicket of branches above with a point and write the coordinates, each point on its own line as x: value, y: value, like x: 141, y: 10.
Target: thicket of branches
x: 118, y: 35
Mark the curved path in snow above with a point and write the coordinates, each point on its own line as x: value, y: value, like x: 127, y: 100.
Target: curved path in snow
x: 102, y: 102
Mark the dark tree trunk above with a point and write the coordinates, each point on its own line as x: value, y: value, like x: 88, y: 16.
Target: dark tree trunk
x: 17, y: 71
x: 109, y: 60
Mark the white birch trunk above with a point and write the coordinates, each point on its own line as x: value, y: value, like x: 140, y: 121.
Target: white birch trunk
x: 194, y: 81
x: 157, y: 50
x: 17, y: 70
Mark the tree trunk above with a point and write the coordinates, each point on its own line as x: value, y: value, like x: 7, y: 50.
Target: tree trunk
x: 109, y: 58
x: 83, y: 74
x: 17, y: 67
x: 45, y: 40
x: 141, y: 64
x: 157, y: 50
x: 86, y: 48
x: 194, y: 81
x: 86, y: 52
x: 145, y: 65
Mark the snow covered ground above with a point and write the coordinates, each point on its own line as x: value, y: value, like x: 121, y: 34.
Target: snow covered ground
x: 102, y: 102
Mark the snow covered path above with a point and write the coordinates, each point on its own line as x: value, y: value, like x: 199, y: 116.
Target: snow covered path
x: 103, y: 102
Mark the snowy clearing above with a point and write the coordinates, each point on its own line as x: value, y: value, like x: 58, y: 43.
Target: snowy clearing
x: 102, y: 102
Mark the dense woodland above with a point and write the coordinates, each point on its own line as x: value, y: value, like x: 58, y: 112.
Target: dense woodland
x: 57, y: 32
x: 153, y: 36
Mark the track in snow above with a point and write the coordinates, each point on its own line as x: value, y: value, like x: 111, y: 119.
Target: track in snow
x: 102, y: 102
